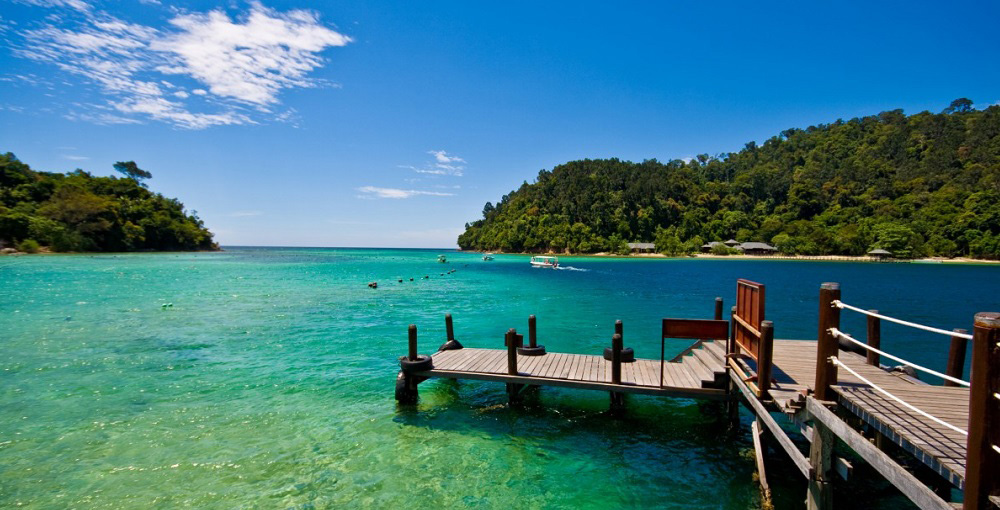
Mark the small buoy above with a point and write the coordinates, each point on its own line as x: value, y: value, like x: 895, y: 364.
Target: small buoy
x: 411, y: 279
x: 425, y: 276
x: 400, y: 280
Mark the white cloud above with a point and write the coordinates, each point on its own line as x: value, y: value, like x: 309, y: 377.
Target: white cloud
x: 443, y: 164
x: 246, y: 62
x: 372, y: 191
x: 442, y: 157
x: 250, y: 61
x: 75, y: 158
x: 79, y: 5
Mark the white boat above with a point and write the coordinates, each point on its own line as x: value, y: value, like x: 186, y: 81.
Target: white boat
x: 442, y: 258
x: 487, y: 256
x: 546, y: 262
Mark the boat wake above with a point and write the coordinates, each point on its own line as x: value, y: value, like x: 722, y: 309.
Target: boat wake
x: 571, y: 268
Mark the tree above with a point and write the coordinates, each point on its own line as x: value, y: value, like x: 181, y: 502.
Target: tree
x: 960, y: 105
x: 132, y: 171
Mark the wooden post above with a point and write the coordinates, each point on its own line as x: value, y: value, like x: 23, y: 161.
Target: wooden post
x: 829, y: 317
x: 449, y: 327
x: 982, y: 467
x: 731, y: 347
x: 764, y: 357
x: 956, y: 357
x: 412, y: 354
x: 820, y: 494
x: 718, y: 309
x: 532, y: 332
x: 617, y: 398
x: 733, y: 403
x: 874, y: 339
x: 511, y: 351
x: 406, y: 383
x: 616, y: 359
x: 620, y: 329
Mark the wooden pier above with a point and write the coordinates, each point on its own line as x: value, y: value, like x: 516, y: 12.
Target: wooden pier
x: 832, y: 388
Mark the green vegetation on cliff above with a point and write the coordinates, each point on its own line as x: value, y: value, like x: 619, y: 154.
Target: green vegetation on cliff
x: 921, y: 185
x: 79, y: 212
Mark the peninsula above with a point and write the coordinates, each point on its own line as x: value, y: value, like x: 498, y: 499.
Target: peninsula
x: 924, y: 185
x: 77, y: 212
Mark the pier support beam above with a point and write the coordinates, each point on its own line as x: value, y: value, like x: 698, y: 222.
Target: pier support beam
x: 617, y: 398
x: 827, y: 345
x: 982, y: 468
x: 820, y: 495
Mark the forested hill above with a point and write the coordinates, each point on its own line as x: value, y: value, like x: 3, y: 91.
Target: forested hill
x: 921, y: 185
x: 79, y: 212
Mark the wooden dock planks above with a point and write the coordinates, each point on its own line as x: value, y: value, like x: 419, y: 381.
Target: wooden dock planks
x: 573, y: 370
x: 939, y: 447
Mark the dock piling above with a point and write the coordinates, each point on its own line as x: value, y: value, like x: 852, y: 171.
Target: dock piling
x: 533, y: 349
x: 827, y: 344
x: 718, y: 309
x: 532, y: 332
x: 820, y: 493
x: 874, y: 339
x: 407, y: 380
x: 983, y: 462
x: 956, y: 357
x: 617, y: 398
x: 412, y: 343
x: 513, y: 340
x: 616, y: 359
x: 449, y: 343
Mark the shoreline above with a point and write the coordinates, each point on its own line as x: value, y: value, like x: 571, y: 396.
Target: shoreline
x: 710, y: 256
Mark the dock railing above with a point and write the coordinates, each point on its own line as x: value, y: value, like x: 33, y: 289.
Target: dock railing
x: 982, y: 483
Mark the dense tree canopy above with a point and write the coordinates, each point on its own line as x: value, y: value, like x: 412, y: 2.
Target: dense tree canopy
x: 80, y: 212
x: 920, y: 185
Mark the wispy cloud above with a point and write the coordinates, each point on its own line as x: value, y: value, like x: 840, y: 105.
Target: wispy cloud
x: 375, y: 192
x: 240, y: 66
x: 442, y: 164
x: 75, y: 158
x: 79, y: 5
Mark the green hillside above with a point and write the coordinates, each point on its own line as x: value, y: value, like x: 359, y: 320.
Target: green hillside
x: 921, y: 185
x: 79, y: 212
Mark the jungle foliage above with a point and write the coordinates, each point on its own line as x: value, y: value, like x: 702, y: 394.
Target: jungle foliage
x: 79, y: 212
x: 921, y: 185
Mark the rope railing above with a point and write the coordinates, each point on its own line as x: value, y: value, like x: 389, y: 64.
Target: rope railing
x: 935, y: 419
x: 840, y: 304
x: 840, y: 334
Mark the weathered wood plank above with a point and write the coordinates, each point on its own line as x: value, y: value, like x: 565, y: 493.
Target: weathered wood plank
x: 912, y: 488
x: 786, y: 443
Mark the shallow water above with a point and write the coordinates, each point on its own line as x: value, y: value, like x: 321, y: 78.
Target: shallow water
x: 264, y: 378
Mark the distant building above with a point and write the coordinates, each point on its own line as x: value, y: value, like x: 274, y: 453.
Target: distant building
x: 880, y: 254
x: 755, y: 248
x: 707, y: 247
x: 732, y: 243
x: 642, y: 247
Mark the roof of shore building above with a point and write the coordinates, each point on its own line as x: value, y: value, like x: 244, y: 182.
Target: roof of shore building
x: 641, y: 246
x: 753, y: 245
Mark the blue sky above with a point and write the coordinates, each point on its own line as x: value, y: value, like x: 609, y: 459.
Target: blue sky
x: 392, y: 123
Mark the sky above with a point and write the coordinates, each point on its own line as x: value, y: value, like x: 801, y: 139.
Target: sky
x: 391, y: 124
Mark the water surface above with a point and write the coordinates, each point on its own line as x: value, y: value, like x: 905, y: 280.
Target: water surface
x: 264, y: 378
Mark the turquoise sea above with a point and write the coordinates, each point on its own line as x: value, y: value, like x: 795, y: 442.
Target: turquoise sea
x: 263, y: 378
